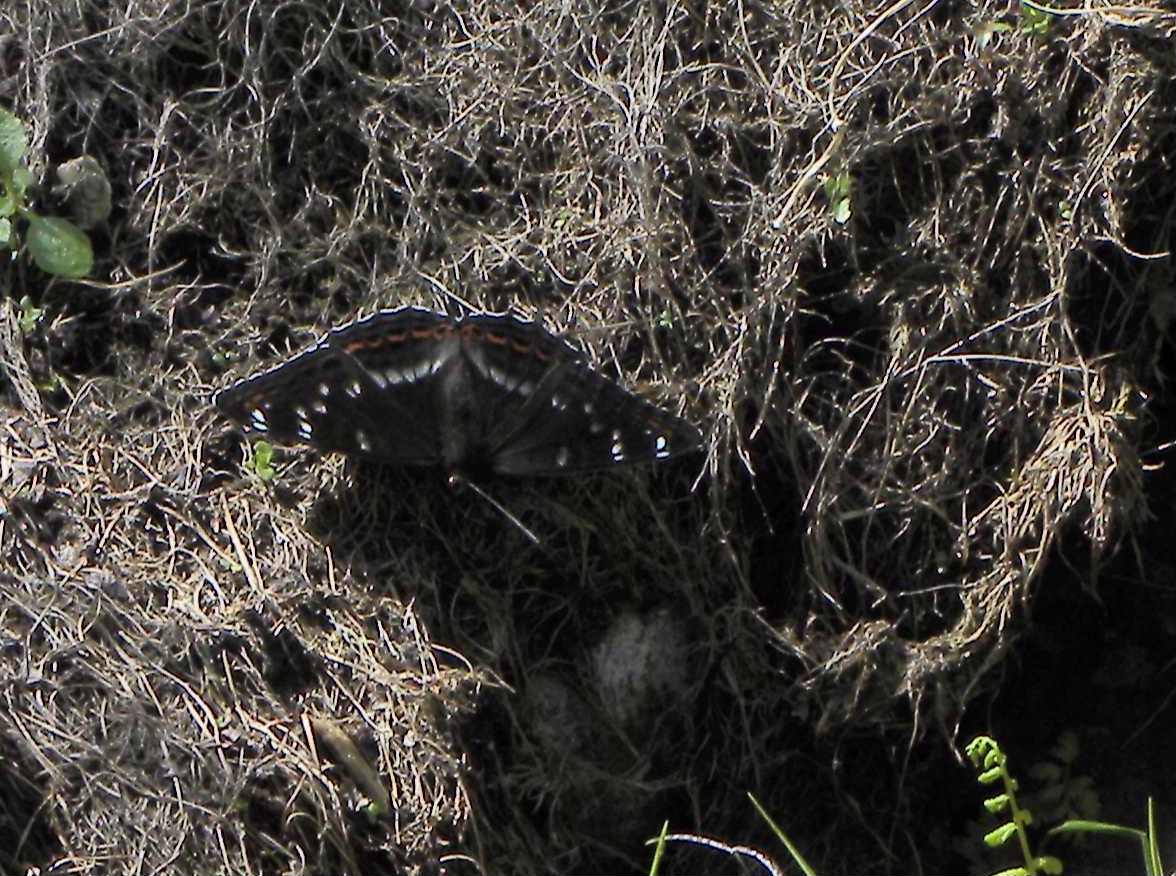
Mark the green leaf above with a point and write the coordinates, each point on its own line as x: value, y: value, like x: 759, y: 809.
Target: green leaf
x: 13, y: 141
x: 5, y: 233
x: 842, y: 210
x: 52, y: 384
x: 837, y: 190
x: 22, y: 178
x: 59, y: 247
x: 996, y: 804
x: 1048, y: 864
x: 1000, y: 836
x: 374, y: 811
x: 1035, y: 21
x: 30, y: 315
x: 989, y: 776
x: 1082, y: 825
x: 263, y: 458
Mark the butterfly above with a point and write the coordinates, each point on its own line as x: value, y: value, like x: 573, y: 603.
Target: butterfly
x: 482, y: 392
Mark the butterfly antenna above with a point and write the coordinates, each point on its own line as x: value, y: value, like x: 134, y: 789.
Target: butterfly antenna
x: 456, y: 480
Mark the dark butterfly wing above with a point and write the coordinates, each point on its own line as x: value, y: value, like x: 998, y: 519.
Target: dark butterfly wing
x: 579, y: 420
x: 415, y: 387
x: 365, y: 390
x: 554, y: 415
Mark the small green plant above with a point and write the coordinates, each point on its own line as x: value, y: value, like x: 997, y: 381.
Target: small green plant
x: 838, y: 190
x: 56, y: 245
x: 263, y: 461
x: 985, y: 754
x: 30, y: 315
x: 51, y: 383
x: 1035, y: 20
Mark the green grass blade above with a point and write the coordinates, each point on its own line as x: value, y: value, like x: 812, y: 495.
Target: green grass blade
x: 660, y: 850
x: 792, y: 850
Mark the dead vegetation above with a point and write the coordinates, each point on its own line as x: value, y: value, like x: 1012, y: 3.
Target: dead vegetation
x: 911, y: 413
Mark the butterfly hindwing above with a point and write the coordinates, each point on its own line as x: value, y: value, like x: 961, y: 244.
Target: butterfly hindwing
x: 578, y: 420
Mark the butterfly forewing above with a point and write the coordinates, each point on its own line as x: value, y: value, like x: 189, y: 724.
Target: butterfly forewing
x: 361, y: 391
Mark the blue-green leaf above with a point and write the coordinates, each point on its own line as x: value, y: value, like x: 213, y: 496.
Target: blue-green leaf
x: 22, y: 178
x: 59, y: 247
x: 13, y: 141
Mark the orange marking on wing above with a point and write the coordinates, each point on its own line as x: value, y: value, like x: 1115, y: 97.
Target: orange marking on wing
x: 375, y: 343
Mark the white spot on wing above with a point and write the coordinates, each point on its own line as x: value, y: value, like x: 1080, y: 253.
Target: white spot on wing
x: 354, y: 389
x: 562, y: 457
x: 497, y: 375
x: 661, y: 447
x: 257, y: 420
x: 324, y: 389
x: 616, y: 435
x: 318, y: 407
x: 365, y: 443
x: 618, y: 451
x: 304, y: 430
x: 378, y: 379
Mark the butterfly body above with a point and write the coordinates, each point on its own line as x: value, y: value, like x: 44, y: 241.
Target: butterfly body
x: 482, y: 392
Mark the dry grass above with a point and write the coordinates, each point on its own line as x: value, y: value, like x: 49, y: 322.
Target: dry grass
x: 909, y: 415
